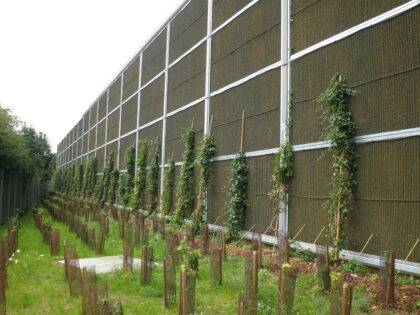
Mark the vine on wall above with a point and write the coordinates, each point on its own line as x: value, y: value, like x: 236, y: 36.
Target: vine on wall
x: 207, y: 151
x: 153, y: 180
x: 339, y: 129
x: 129, y: 161
x: 237, y: 195
x: 113, y: 187
x: 168, y: 188
x: 137, y: 199
x: 185, y: 190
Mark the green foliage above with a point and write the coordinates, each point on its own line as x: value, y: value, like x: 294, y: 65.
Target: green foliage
x: 185, y: 189
x: 23, y: 149
x: 105, y: 181
x: 190, y: 256
x: 113, y: 187
x: 303, y: 254
x: 353, y: 266
x: 168, y: 187
x: 130, y: 164
x: 282, y: 175
x: 90, y: 178
x: 238, y: 195
x: 79, y: 180
x: 123, y: 186
x: 137, y: 199
x: 153, y: 180
x: 207, y: 151
x: 339, y: 129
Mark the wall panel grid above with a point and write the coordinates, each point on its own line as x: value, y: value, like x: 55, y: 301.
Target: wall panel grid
x: 214, y: 59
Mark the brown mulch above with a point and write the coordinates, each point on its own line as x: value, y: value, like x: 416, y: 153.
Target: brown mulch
x: 405, y: 295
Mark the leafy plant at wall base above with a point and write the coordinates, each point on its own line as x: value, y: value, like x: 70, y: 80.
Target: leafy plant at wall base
x: 168, y: 188
x: 90, y: 178
x: 79, y: 180
x: 137, y: 199
x: 105, y: 180
x: 207, y: 151
x: 339, y: 129
x: 153, y: 180
x: 282, y: 175
x: 123, y: 187
x: 113, y: 187
x: 130, y: 165
x: 237, y: 195
x: 185, y: 189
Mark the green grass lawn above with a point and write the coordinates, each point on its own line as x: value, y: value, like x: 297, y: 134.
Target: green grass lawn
x: 37, y: 285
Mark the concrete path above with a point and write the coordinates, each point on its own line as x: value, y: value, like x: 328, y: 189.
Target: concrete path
x: 104, y: 264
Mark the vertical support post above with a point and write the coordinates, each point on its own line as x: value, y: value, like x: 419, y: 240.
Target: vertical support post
x: 347, y: 297
x: 96, y: 126
x: 165, y: 110
x: 138, y: 108
x: 208, y: 83
x: 284, y: 94
x: 119, y: 125
x: 106, y: 127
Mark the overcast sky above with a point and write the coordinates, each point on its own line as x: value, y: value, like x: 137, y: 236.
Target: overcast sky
x: 57, y: 56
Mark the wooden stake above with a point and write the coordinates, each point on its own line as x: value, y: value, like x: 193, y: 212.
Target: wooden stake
x: 255, y: 272
x: 412, y: 249
x: 319, y: 234
x: 347, y: 297
x: 297, y: 234
x: 241, y: 305
x: 165, y: 282
x: 366, y: 244
x: 260, y: 251
x: 390, y: 264
x: 242, y: 129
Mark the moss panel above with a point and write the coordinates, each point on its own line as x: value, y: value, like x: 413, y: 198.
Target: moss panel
x: 113, y: 125
x: 154, y: 58
x: 249, y: 43
x: 100, y: 159
x: 102, y: 106
x: 129, y: 115
x: 112, y: 147
x: 151, y: 133
x: 388, y: 197
x: 308, y: 194
x: 125, y: 143
x: 383, y: 71
x: 92, y: 139
x: 93, y: 114
x: 151, y: 101
x: 187, y: 79
x: 224, y: 9
x: 114, y: 94
x: 101, y: 133
x: 318, y: 20
x: 80, y: 128
x: 131, y: 79
x: 176, y: 125
x: 188, y: 28
x: 79, y: 147
x: 260, y: 99
x: 85, y: 122
x: 260, y: 210
x: 85, y: 143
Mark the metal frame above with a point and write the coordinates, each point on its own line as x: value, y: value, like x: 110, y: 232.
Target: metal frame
x: 283, y: 65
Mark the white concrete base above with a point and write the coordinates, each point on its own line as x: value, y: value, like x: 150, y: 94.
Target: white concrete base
x: 104, y: 264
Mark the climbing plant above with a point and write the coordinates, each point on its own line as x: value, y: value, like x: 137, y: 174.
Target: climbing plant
x: 113, y: 187
x: 185, y: 189
x: 79, y: 179
x: 105, y: 180
x: 168, y: 188
x: 339, y: 129
x: 237, y: 195
x: 207, y: 151
x: 152, y: 190
x: 130, y: 166
x: 90, y: 178
x: 282, y: 168
x: 137, y: 198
